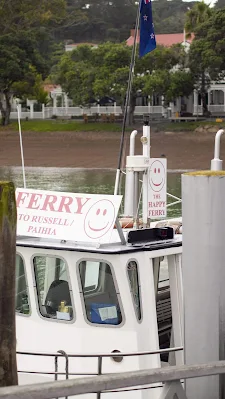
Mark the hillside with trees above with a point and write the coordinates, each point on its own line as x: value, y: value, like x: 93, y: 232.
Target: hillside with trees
x: 104, y: 20
x: 33, y: 35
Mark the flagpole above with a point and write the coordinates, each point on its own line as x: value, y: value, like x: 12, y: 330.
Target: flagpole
x: 127, y: 102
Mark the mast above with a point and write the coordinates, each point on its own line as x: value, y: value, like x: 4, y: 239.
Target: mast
x: 127, y: 102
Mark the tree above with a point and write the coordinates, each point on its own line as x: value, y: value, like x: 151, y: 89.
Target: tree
x: 24, y: 26
x: 206, y: 57
x: 88, y: 73
x: 32, y: 86
x: 170, y: 85
x: 101, y: 20
x: 197, y: 15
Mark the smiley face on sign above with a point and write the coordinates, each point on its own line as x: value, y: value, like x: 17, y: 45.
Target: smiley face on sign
x: 99, y: 219
x: 157, y: 176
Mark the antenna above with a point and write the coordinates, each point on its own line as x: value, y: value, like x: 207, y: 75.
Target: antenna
x: 21, y: 145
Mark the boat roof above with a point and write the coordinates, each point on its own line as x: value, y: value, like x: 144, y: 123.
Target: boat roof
x: 112, y: 248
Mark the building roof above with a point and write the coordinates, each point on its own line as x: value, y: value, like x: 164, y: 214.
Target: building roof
x: 49, y: 87
x: 166, y: 40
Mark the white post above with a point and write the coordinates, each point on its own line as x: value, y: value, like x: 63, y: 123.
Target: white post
x: 195, y: 103
x: 115, y: 108
x: 149, y: 104
x: 43, y: 111
x: 203, y: 215
x: 129, y: 185
x: 217, y: 163
x: 31, y: 110
x: 146, y: 153
x: 54, y: 104
x: 66, y: 102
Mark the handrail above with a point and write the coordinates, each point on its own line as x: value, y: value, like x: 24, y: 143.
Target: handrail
x: 111, y: 381
x: 120, y: 354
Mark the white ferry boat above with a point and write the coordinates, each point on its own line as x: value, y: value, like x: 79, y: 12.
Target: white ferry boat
x: 93, y: 296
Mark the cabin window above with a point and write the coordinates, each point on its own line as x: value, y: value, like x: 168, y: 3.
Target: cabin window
x: 163, y: 304
x: 132, y: 270
x: 52, y: 281
x: 99, y: 293
x: 21, y: 299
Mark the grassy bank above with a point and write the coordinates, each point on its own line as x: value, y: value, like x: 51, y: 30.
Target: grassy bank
x: 79, y: 126
x: 63, y: 126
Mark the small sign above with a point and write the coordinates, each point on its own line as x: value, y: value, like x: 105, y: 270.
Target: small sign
x: 157, y: 188
x: 66, y: 216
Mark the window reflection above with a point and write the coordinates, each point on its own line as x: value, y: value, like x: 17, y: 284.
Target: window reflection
x: 99, y: 293
x: 52, y: 287
x: 132, y: 270
x: 21, y: 298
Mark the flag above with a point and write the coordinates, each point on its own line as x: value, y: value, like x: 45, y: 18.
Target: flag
x: 147, y: 34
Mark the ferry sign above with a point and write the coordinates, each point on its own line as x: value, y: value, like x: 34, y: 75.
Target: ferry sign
x: 66, y: 216
x: 157, y: 188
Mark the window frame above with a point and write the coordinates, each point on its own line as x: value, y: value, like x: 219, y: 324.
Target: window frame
x: 139, y: 289
x: 27, y: 286
x: 49, y: 319
x: 116, y: 288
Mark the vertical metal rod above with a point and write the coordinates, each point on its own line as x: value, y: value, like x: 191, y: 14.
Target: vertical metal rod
x: 146, y: 153
x: 117, y: 182
x: 129, y: 87
x: 56, y: 368
x: 99, y: 373
x: 21, y: 147
x: 66, y: 366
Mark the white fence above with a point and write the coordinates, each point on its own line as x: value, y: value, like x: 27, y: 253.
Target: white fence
x: 68, y: 112
x: 214, y: 109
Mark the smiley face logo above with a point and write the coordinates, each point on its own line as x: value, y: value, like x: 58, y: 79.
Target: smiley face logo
x: 157, y: 176
x: 99, y: 219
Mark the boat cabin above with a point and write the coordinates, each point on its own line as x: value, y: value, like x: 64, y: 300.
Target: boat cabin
x: 86, y: 301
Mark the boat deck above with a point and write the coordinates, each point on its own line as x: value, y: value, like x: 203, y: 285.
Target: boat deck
x: 112, y: 248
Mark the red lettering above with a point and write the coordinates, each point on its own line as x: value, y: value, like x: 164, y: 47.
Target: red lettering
x: 80, y: 205
x: 65, y: 203
x: 34, y: 219
x: 21, y: 198
x: 34, y: 200
x: 49, y: 202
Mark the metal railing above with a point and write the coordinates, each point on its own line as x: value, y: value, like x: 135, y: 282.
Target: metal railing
x: 105, y: 383
x: 98, y: 356
x: 177, y: 200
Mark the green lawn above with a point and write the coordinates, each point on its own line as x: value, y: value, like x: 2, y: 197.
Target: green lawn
x: 60, y: 126
x: 79, y: 126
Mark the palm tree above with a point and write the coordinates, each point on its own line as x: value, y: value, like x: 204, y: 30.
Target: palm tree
x: 196, y: 16
x: 199, y: 13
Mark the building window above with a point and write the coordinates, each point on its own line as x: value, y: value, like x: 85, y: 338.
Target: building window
x: 132, y: 270
x: 52, y: 281
x: 22, y: 298
x: 99, y: 293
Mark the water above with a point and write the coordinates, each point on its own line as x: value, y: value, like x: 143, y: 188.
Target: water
x: 95, y: 181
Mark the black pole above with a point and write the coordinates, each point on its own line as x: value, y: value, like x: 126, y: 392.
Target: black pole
x: 129, y: 87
